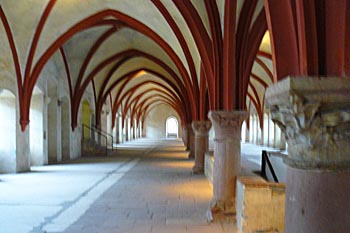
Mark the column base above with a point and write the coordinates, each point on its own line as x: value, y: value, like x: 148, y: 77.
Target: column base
x: 220, y: 210
x: 197, y: 170
x: 191, y: 155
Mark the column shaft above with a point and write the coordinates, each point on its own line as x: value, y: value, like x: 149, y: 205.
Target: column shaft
x: 191, y: 143
x: 227, y: 153
x: 201, y: 130
x: 317, y: 201
x: 185, y: 137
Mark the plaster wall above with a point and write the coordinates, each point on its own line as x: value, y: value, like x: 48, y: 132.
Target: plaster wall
x: 8, y: 132
x: 66, y: 130
x: 155, y: 122
x: 54, y: 154
x: 22, y: 161
x: 37, y: 133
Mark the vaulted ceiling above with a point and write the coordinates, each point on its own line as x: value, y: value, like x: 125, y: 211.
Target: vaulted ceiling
x: 193, y: 55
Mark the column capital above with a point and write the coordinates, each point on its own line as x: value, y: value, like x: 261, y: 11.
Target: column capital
x: 201, y: 128
x: 314, y: 113
x: 226, y: 124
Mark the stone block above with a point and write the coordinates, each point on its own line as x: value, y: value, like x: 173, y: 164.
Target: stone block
x: 260, y: 205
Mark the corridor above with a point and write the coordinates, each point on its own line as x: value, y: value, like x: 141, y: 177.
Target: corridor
x: 147, y: 186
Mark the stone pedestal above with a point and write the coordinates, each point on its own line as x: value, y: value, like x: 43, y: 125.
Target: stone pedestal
x: 201, y: 131
x: 227, y: 153
x: 314, y: 113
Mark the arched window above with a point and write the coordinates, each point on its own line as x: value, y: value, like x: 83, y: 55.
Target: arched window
x: 172, y: 127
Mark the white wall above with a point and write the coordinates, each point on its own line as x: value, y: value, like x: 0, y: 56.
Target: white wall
x: 7, y: 132
x: 36, y: 127
x: 155, y: 122
x: 65, y: 128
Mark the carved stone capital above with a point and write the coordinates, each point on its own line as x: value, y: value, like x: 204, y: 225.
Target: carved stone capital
x: 227, y: 124
x: 201, y: 128
x: 314, y: 113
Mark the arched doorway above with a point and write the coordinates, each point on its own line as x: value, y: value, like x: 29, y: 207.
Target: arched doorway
x: 86, y: 119
x: 172, y: 127
x: 8, y: 131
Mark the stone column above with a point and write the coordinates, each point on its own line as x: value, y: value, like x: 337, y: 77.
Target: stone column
x: 201, y: 130
x: 137, y: 132
x: 227, y: 153
x: 133, y: 135
x: 247, y: 134
x: 190, y: 142
x: 184, y: 136
x: 22, y: 149
x: 126, y: 127
x: 140, y: 130
x: 314, y: 113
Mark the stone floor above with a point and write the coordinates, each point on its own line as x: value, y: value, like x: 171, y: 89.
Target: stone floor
x: 146, y: 187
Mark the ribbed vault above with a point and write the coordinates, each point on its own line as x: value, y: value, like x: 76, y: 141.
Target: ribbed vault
x: 194, y: 56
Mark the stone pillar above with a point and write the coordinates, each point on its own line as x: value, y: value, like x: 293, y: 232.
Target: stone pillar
x: 22, y: 149
x: 184, y: 136
x: 137, y: 132
x: 133, y: 136
x: 117, y: 130
x: 126, y: 126
x: 190, y: 143
x: 201, y: 131
x: 140, y: 130
x: 227, y: 153
x: 314, y: 113
x: 247, y: 133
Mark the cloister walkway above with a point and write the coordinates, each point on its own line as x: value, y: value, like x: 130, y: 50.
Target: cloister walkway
x: 146, y: 187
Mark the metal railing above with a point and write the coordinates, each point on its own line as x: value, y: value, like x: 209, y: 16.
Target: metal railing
x: 107, y: 135
x: 95, y: 136
x: 265, y: 160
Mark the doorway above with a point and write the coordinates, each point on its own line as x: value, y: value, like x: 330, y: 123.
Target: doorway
x: 172, y: 127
